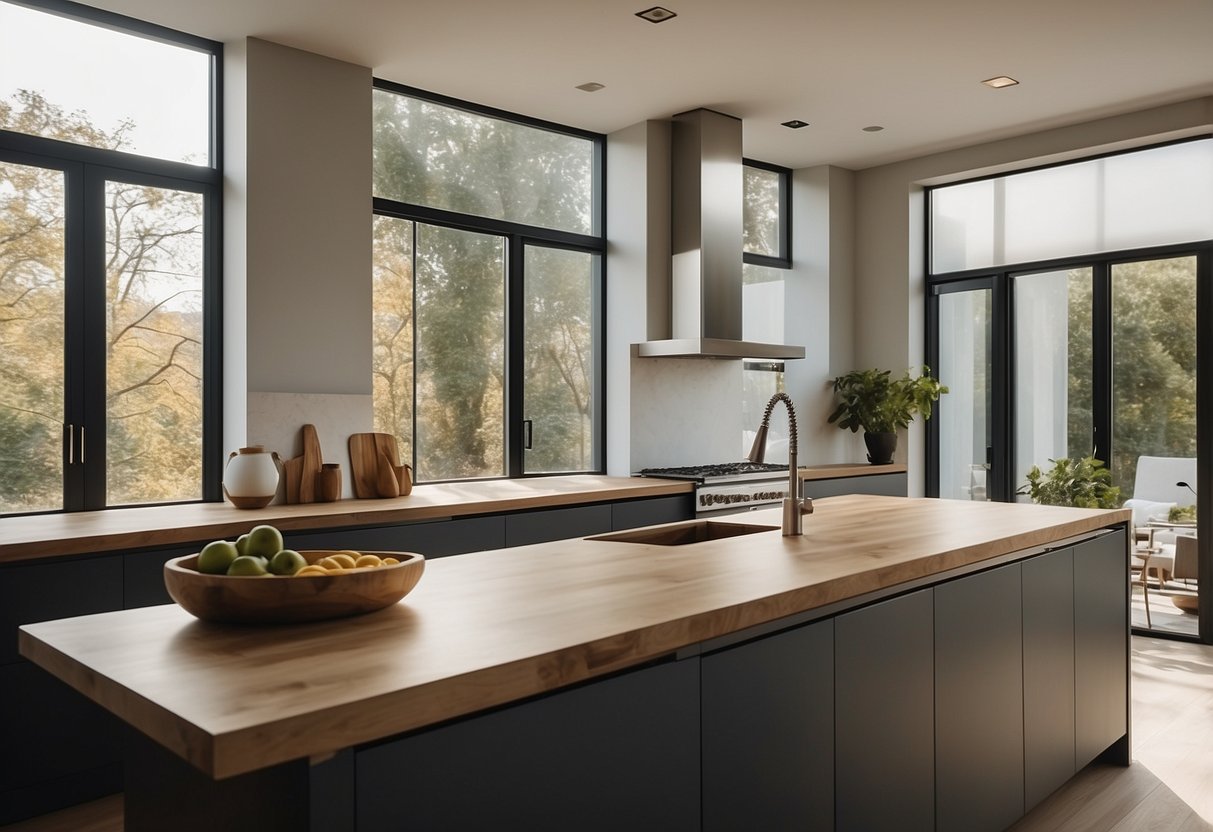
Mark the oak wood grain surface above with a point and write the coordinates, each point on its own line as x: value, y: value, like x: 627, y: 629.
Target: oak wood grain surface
x: 488, y: 628
x: 849, y: 469
x: 74, y: 533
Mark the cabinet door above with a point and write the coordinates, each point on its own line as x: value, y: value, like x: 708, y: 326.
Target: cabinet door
x: 631, y: 514
x: 979, y: 702
x: 143, y: 575
x: 527, y: 527
x: 888, y: 485
x: 59, y: 748
x: 884, y: 770
x: 622, y: 753
x: 1101, y: 645
x: 434, y: 540
x: 768, y: 732
x: 60, y: 589
x: 1048, y: 674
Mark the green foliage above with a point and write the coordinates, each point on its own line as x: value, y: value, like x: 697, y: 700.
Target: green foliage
x: 877, y: 403
x: 1182, y: 514
x: 1083, y: 483
x: 1153, y: 363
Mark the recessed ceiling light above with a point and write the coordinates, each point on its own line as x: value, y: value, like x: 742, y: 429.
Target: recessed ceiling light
x: 795, y: 124
x: 657, y: 14
x: 592, y: 86
x: 875, y: 128
x: 1000, y: 82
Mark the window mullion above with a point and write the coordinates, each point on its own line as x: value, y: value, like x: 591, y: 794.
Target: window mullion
x: 91, y: 447
x: 515, y: 355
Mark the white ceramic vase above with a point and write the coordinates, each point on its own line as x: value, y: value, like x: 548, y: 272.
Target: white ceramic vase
x: 250, y: 479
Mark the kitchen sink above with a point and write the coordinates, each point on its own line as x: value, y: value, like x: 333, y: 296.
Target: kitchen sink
x: 680, y: 535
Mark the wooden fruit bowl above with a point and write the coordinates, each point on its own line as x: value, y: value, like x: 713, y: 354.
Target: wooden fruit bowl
x: 279, y: 600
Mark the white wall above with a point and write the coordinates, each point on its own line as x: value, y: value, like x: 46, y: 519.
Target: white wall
x: 297, y: 246
x: 889, y: 227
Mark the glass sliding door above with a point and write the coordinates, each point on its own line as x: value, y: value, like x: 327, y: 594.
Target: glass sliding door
x: 1053, y: 368
x: 459, y: 308
x: 1154, y: 431
x: 154, y: 278
x: 965, y: 365
x: 560, y: 397
x: 32, y: 338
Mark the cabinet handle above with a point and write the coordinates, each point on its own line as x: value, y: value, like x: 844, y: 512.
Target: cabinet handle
x: 82, y: 444
x: 71, y: 444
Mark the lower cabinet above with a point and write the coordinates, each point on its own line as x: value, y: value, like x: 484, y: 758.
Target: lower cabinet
x: 1101, y: 649
x: 768, y: 732
x: 1048, y: 674
x: 979, y: 706
x: 622, y: 753
x: 884, y: 716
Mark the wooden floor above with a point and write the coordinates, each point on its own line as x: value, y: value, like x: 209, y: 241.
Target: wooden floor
x: 1169, y: 787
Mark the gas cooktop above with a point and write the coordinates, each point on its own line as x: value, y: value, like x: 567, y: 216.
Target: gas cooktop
x: 720, y: 472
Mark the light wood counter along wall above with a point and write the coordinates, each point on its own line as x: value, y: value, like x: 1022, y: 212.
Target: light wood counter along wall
x: 489, y: 628
x: 47, y: 535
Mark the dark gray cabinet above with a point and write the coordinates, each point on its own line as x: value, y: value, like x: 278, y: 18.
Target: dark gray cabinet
x: 885, y: 717
x: 768, y: 732
x: 886, y: 485
x: 529, y: 527
x: 59, y: 748
x: 622, y: 753
x: 652, y: 511
x: 1048, y: 674
x: 1101, y: 647
x: 979, y: 713
x: 434, y: 540
x: 56, y: 589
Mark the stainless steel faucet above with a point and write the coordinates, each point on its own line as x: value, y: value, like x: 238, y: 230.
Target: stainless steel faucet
x: 795, y: 505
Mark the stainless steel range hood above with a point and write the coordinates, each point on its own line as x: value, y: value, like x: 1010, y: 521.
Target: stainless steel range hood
x: 705, y: 292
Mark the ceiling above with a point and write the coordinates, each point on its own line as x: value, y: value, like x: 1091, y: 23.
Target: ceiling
x: 913, y: 68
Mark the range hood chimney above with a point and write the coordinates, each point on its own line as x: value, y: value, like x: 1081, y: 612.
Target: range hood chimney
x: 705, y: 292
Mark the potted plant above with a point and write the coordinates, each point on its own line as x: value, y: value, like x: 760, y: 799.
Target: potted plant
x: 1083, y: 483
x: 880, y: 404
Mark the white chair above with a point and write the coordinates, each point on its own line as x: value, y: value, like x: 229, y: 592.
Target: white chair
x: 1156, y: 491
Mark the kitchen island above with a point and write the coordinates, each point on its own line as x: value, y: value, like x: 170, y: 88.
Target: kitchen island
x: 523, y: 683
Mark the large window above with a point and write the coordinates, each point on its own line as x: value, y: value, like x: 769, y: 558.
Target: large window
x: 1068, y: 324
x: 766, y: 257
x: 108, y: 282
x: 488, y: 249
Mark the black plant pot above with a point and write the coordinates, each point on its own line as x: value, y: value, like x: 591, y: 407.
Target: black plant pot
x: 880, y: 447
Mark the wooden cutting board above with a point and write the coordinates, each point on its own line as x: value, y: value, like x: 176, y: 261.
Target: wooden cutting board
x: 365, y: 450
x: 312, y: 460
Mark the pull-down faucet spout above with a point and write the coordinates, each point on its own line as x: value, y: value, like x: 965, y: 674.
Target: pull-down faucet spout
x: 795, y: 506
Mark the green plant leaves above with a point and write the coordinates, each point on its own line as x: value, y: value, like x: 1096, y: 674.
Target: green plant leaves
x: 1082, y: 483
x: 876, y: 402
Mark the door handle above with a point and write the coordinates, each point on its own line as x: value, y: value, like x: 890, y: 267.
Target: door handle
x: 527, y: 434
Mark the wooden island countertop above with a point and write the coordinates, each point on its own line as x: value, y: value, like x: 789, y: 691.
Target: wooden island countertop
x: 489, y: 628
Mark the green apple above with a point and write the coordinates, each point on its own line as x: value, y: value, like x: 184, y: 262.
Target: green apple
x: 287, y: 562
x: 265, y: 541
x: 247, y: 565
x: 242, y: 544
x: 216, y: 557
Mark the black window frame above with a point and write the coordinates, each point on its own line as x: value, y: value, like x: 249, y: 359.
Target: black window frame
x: 85, y: 170
x: 1000, y: 279
x: 517, y: 237
x: 784, y: 259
